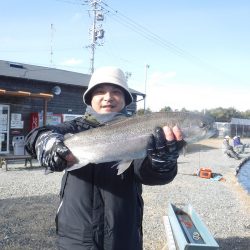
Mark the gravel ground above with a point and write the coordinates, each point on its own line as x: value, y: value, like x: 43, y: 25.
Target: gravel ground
x: 29, y: 200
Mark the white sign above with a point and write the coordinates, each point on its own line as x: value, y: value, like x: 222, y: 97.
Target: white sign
x: 16, y: 121
x: 69, y: 117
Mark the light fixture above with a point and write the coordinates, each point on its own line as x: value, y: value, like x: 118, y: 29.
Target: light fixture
x: 45, y: 94
x: 23, y: 92
x: 56, y: 90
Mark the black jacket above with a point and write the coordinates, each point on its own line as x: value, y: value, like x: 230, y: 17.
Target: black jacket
x: 100, y: 209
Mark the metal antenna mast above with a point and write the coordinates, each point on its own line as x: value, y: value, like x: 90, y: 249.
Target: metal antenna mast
x: 51, y: 43
x: 96, y: 32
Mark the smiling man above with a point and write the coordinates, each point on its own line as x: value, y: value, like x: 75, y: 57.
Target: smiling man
x: 108, y: 91
x: 107, y: 98
x: 99, y: 209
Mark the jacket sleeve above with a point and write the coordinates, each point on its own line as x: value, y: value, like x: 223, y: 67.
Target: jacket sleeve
x: 74, y: 126
x: 145, y: 174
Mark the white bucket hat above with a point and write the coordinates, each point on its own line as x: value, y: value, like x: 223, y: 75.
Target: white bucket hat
x: 110, y: 75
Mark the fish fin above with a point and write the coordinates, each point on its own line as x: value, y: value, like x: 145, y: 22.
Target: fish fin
x: 122, y: 166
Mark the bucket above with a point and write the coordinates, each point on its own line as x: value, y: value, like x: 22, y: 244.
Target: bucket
x: 205, y: 173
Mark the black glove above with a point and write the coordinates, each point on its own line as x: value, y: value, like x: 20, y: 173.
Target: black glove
x: 56, y: 158
x: 162, y: 153
x: 52, y: 153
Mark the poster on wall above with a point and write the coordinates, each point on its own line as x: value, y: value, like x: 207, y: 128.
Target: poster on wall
x: 16, y: 121
x: 36, y: 119
x: 51, y: 119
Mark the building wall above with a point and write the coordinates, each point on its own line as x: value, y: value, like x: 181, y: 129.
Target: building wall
x: 223, y: 129
x: 68, y: 102
x: 241, y: 130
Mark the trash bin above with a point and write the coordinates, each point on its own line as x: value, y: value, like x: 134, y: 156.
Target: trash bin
x: 18, y: 145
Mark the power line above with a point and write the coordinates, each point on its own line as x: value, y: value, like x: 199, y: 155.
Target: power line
x: 139, y: 29
x: 146, y: 33
x: 74, y: 2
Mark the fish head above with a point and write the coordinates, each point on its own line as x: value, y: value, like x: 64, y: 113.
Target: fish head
x: 198, y: 127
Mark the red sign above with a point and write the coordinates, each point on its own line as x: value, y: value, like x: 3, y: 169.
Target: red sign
x: 34, y: 120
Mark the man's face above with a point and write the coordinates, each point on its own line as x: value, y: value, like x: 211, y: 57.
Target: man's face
x: 107, y: 98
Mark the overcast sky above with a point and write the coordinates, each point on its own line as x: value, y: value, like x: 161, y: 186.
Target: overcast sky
x: 198, y: 52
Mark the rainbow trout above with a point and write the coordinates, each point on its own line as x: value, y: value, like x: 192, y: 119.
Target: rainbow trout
x: 126, y: 139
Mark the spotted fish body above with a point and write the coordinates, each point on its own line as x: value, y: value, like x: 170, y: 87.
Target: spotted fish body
x: 126, y: 139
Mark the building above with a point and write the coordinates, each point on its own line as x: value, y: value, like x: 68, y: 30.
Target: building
x: 240, y: 127
x: 222, y: 128
x: 32, y: 96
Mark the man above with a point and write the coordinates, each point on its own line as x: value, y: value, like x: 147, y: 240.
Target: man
x: 238, y: 146
x: 228, y: 149
x: 100, y: 209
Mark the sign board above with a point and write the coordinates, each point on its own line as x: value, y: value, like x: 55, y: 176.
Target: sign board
x: 16, y: 121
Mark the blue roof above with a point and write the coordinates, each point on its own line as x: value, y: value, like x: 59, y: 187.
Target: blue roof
x: 32, y: 72
x: 239, y: 121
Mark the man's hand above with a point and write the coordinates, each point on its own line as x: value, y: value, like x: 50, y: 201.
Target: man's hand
x: 163, y: 148
x: 58, y: 158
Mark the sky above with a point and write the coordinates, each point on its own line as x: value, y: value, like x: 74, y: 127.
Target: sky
x: 192, y: 54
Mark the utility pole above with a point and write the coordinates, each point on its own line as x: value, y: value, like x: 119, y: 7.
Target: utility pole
x: 146, y: 79
x: 96, y: 32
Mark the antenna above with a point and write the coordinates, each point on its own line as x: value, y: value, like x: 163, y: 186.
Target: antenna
x: 51, y: 43
x: 96, y: 32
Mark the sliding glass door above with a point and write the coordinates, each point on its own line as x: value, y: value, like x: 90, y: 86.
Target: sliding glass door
x: 4, y: 128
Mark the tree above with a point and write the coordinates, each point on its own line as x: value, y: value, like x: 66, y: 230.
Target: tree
x: 141, y: 111
x: 166, y: 109
x: 224, y: 115
x: 246, y: 114
x: 184, y: 110
x: 219, y: 114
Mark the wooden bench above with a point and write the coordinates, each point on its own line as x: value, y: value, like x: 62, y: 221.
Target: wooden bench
x: 5, y: 159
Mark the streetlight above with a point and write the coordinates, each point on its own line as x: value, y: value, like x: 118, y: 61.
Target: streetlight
x: 146, y: 76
